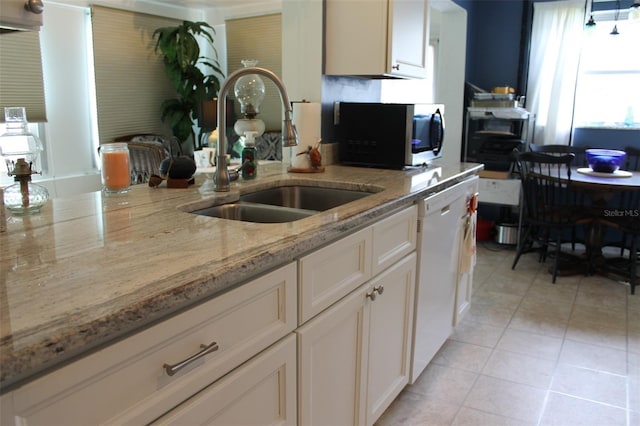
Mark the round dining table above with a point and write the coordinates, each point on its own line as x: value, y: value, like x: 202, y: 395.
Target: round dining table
x: 605, y: 182
x: 602, y: 190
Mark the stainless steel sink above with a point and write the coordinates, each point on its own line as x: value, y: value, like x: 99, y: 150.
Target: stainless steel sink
x: 282, y: 204
x: 304, y: 197
x: 260, y: 213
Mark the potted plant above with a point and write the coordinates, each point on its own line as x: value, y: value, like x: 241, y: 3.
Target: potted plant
x: 183, y: 65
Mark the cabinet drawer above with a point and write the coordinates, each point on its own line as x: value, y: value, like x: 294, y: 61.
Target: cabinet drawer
x: 330, y: 273
x: 261, y: 391
x: 394, y: 238
x: 128, y: 379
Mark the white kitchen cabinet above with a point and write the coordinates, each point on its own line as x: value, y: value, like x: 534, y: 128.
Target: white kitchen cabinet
x: 14, y: 15
x: 260, y: 392
x: 354, y: 357
x: 333, y: 271
x: 377, y: 37
x: 332, y: 364
x: 129, y: 382
x: 393, y: 238
x: 390, y: 331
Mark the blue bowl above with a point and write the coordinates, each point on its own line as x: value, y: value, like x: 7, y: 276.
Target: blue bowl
x: 605, y: 160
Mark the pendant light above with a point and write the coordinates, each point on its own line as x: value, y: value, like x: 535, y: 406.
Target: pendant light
x: 634, y: 11
x: 591, y: 23
x: 614, y: 31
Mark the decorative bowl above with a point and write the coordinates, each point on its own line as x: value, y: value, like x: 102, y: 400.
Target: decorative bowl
x: 605, y: 160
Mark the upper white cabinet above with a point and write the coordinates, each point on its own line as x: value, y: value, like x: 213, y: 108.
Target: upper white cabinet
x: 21, y: 14
x: 377, y: 37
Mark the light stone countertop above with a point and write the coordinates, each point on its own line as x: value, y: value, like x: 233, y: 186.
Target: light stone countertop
x: 90, y: 269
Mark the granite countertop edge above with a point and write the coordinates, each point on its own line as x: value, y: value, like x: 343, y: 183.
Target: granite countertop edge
x: 19, y: 366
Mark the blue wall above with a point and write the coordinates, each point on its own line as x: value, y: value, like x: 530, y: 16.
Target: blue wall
x: 495, y: 40
x: 497, y: 53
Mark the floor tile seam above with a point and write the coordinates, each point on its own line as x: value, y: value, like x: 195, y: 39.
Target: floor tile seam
x: 459, y: 406
x: 545, y: 388
x: 626, y: 350
x: 514, y: 419
x: 554, y: 359
x: 543, y: 409
x: 435, y: 361
x: 464, y: 402
x: 604, y: 346
x: 469, y: 391
x: 453, y: 338
x: 579, y: 321
x: 629, y: 389
x: 595, y: 370
x: 551, y: 391
x: 627, y: 384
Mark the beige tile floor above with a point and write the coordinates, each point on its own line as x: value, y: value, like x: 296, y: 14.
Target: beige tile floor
x: 532, y: 353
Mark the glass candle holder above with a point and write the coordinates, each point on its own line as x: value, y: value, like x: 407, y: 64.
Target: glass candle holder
x: 116, y: 168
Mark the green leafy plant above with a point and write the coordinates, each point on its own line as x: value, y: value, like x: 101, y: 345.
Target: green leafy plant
x: 183, y: 65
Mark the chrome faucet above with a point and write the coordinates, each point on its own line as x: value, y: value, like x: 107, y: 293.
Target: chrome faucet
x: 221, y: 179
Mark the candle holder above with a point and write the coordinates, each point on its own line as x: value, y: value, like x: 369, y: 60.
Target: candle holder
x: 24, y: 197
x: 20, y: 149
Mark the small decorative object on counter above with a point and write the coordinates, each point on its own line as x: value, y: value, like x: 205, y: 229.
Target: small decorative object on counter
x: 24, y: 197
x: 177, y: 171
x: 17, y: 141
x: 116, y: 168
x: 249, y: 161
x: 315, y: 160
x: 20, y: 149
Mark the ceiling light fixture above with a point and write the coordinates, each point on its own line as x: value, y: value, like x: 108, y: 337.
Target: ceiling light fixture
x: 614, y: 31
x: 591, y: 23
x: 634, y: 11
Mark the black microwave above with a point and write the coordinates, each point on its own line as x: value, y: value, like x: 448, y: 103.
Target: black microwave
x: 386, y: 135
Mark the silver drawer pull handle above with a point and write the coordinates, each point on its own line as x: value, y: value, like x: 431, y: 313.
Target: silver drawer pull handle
x: 206, y: 349
x: 379, y: 289
x: 372, y: 295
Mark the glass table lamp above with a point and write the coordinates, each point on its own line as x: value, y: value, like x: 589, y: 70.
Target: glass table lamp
x: 249, y: 90
x: 20, y: 149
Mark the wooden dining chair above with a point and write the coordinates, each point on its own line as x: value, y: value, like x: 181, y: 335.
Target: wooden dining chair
x: 579, y: 152
x: 579, y: 160
x: 146, y: 152
x: 548, y: 204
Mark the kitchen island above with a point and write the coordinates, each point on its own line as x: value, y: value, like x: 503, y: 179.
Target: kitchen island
x: 91, y: 270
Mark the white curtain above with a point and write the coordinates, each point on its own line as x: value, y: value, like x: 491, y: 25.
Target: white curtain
x: 556, y: 39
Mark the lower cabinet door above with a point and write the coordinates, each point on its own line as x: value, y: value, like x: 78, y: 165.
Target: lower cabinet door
x: 262, y: 391
x: 390, y: 333
x: 332, y: 364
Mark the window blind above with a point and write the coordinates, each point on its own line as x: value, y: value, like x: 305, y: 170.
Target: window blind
x: 21, y: 81
x: 131, y: 83
x: 259, y: 38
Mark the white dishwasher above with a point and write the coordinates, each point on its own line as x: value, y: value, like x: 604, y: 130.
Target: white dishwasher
x: 443, y: 217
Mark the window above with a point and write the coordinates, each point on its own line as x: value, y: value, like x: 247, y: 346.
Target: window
x: 607, y: 91
x: 242, y: 43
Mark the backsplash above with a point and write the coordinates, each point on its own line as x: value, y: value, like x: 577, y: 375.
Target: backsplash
x: 344, y: 89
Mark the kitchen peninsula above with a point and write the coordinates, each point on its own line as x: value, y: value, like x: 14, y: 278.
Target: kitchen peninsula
x: 90, y: 271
